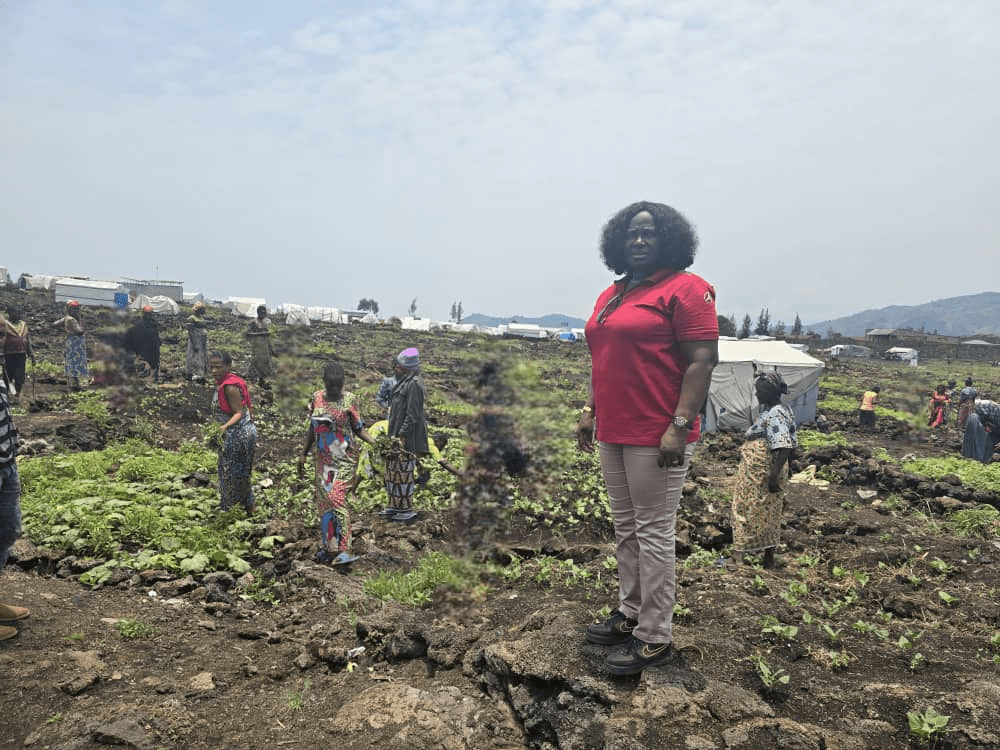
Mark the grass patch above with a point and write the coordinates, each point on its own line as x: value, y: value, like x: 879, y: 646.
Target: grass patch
x: 434, y: 569
x: 981, y: 522
x: 809, y: 439
x: 972, y: 473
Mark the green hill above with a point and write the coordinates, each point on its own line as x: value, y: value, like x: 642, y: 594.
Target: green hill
x: 971, y: 315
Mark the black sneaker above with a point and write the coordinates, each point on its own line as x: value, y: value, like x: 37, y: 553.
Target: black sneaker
x: 405, y: 515
x: 386, y: 512
x: 637, y: 655
x: 616, y: 629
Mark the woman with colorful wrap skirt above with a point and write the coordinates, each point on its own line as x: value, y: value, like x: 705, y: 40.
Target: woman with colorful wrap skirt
x: 334, y: 428
x: 938, y: 406
x: 759, y: 495
x: 238, y: 434
x: 76, y: 345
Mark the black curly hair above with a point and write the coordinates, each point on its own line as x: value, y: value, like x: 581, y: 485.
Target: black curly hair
x: 676, y: 238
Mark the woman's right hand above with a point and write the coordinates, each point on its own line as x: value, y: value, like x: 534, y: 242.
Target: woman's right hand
x: 585, y: 432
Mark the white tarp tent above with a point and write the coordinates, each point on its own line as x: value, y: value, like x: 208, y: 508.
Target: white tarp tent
x: 849, y: 350
x: 91, y: 292
x: 245, y: 306
x: 36, y: 281
x: 295, y: 315
x: 525, y: 331
x: 416, y: 324
x: 160, y: 304
x: 324, y: 314
x: 903, y: 353
x: 732, y: 401
x: 4, y: 276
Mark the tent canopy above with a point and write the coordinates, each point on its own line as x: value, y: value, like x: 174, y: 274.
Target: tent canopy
x: 296, y: 315
x: 732, y: 400
x: 160, y: 304
x: 244, y: 306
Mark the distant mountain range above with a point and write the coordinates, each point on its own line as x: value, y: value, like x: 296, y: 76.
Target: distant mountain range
x: 971, y: 315
x: 553, y: 320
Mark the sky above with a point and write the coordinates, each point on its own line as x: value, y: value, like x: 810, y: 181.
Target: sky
x: 834, y: 157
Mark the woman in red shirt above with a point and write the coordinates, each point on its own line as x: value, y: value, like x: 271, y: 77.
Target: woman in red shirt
x: 653, y: 339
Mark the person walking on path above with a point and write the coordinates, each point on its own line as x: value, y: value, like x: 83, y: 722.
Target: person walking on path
x: 866, y: 412
x: 408, y: 431
x: 654, y: 342
x: 10, y: 508
x: 335, y: 426
x: 76, y: 345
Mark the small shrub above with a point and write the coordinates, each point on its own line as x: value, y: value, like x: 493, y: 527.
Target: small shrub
x: 131, y: 629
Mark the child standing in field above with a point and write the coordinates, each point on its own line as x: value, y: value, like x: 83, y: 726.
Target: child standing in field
x: 866, y: 412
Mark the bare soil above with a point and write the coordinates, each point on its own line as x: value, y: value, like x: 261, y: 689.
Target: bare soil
x: 506, y: 665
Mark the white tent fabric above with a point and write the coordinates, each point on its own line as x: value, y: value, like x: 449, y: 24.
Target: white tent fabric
x: 4, y: 276
x: 30, y: 281
x: 416, y: 324
x: 159, y: 303
x: 245, y: 306
x: 903, y: 353
x: 525, y: 331
x: 295, y: 315
x: 324, y: 314
x: 732, y: 402
x: 191, y: 297
x: 370, y: 319
x: 465, y: 327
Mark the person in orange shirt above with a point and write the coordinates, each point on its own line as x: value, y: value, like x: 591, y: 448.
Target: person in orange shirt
x: 866, y: 412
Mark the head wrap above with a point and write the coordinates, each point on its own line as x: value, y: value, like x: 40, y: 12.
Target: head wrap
x: 147, y: 308
x: 198, y: 306
x: 409, y: 357
x: 72, y: 303
x: 771, y: 386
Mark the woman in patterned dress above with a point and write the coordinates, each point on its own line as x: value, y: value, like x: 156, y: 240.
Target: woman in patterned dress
x: 76, y: 344
x: 759, y: 497
x: 334, y: 428
x: 238, y: 433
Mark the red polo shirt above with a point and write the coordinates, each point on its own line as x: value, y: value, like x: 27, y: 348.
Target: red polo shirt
x: 638, y: 364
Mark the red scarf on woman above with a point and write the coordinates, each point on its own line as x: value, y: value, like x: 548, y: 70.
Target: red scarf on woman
x: 231, y: 378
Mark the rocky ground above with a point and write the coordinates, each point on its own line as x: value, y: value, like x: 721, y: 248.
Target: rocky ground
x: 504, y: 664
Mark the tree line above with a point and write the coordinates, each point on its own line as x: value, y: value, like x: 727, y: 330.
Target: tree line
x: 764, y: 326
